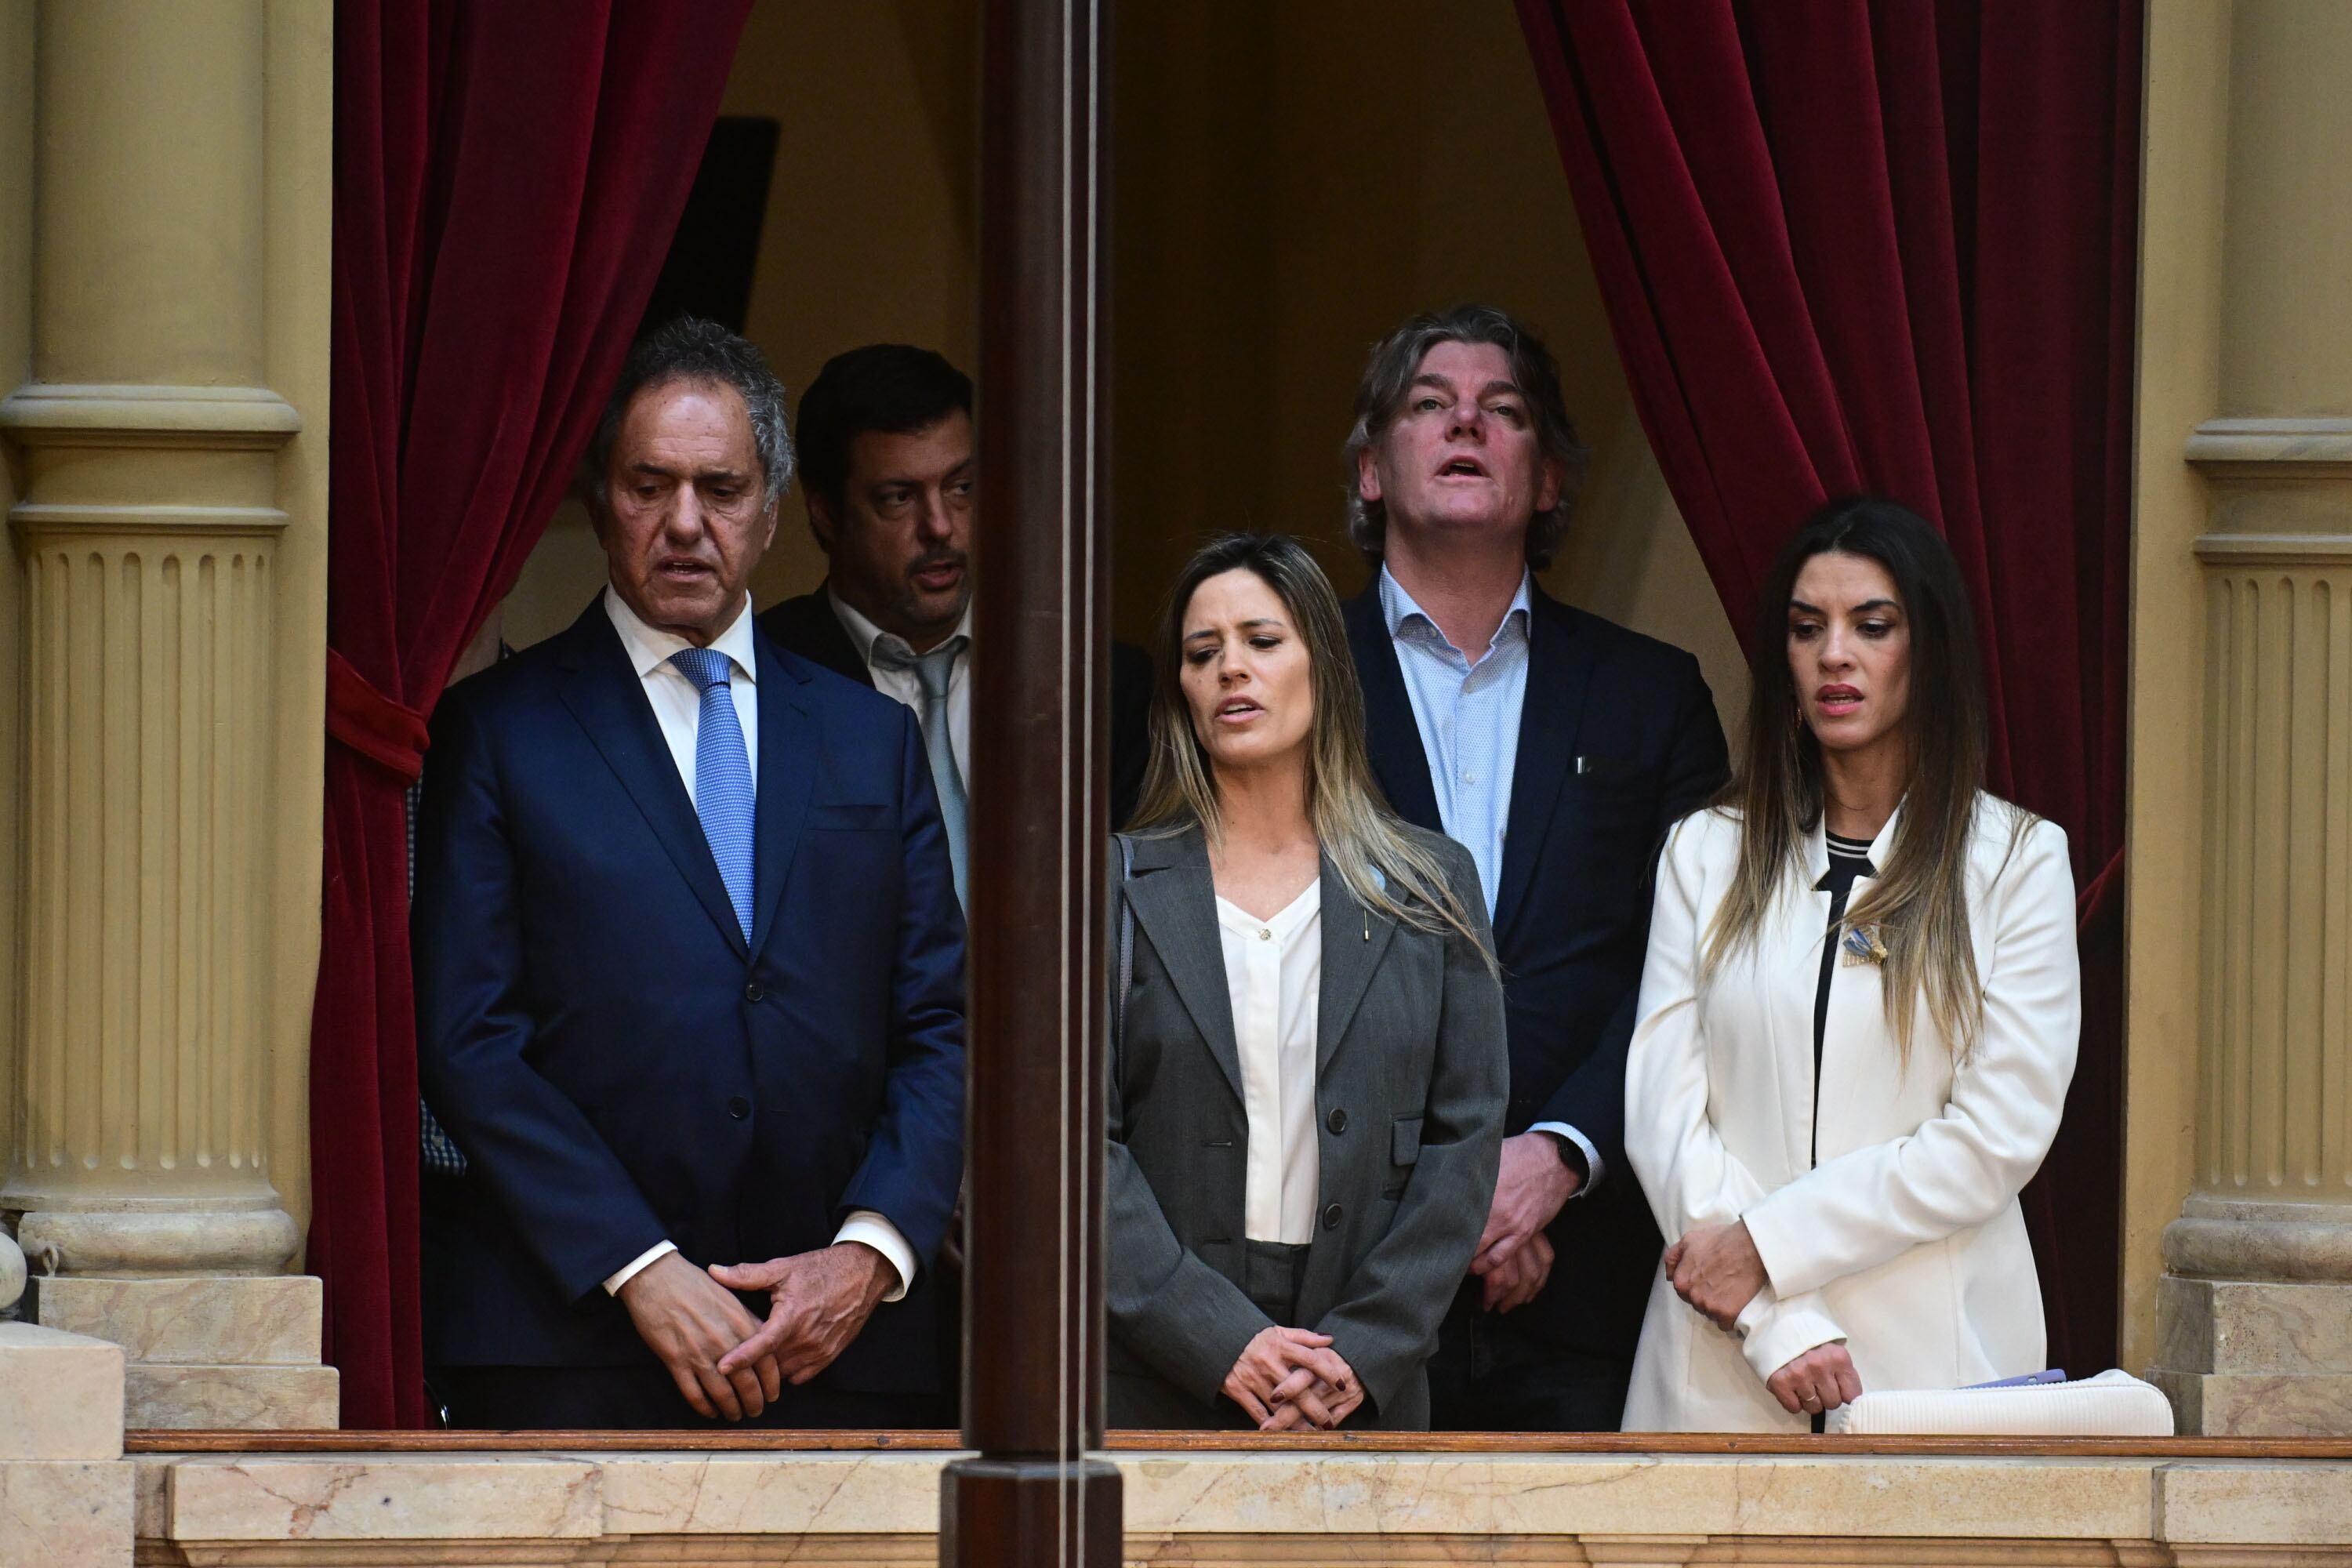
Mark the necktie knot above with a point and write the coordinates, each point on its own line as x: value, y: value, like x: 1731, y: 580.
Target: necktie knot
x: 705, y: 667
x: 933, y: 670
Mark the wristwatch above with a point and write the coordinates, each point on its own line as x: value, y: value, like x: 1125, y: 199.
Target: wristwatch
x: 1570, y: 1155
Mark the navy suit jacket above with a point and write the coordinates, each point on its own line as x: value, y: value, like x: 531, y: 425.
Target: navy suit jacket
x: 618, y: 1065
x: 1618, y: 739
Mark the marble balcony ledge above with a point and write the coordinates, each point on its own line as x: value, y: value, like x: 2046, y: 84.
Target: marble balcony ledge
x: 1291, y: 1506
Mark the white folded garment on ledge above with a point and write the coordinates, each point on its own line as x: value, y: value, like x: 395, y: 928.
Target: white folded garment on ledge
x: 2111, y: 1405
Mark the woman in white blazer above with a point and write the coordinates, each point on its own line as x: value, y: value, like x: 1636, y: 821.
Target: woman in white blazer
x: 1857, y: 1019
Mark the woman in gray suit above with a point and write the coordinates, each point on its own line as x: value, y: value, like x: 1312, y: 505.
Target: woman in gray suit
x: 1308, y: 1073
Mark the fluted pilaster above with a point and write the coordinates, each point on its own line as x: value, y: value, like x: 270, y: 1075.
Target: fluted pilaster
x: 142, y: 1139
x: 2255, y: 1298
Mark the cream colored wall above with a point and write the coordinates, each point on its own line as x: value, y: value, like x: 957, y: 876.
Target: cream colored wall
x: 1285, y: 192
x: 2179, y: 337
x: 15, y: 357
x: 299, y: 151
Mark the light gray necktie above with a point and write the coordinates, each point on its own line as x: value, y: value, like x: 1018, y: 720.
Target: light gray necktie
x: 933, y: 671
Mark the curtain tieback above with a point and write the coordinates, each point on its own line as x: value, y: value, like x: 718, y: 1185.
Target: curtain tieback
x: 391, y: 734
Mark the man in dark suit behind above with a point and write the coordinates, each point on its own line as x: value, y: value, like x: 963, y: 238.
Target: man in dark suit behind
x: 691, y: 1081
x: 888, y: 470
x: 1558, y: 748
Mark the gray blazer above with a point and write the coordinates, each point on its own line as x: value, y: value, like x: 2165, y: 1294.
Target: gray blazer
x: 1411, y: 1077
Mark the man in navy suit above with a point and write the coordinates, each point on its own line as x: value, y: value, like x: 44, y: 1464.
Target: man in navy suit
x: 693, y: 1082
x: 1557, y: 748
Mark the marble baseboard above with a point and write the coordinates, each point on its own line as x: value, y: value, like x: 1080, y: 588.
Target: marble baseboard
x: 252, y: 1398
x: 61, y: 1395
x: 1254, y: 1552
x: 1588, y: 1494
x: 65, y: 1514
x: 839, y: 1509
x: 267, y: 1320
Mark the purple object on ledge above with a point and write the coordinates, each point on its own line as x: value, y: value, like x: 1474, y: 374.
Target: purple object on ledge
x: 2051, y: 1374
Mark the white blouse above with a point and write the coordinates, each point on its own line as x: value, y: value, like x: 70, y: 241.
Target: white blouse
x: 1274, y: 974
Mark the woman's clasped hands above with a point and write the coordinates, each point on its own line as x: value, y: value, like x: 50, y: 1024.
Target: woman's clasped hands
x: 1716, y: 1269
x: 1290, y: 1377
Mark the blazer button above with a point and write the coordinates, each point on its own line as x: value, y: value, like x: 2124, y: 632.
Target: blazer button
x: 1332, y: 1217
x: 752, y: 993
x: 737, y: 1107
x: 1337, y: 1121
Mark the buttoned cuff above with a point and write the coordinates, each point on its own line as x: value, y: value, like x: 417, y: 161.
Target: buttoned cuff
x: 1594, y: 1168
x: 871, y: 1228
x: 636, y: 1266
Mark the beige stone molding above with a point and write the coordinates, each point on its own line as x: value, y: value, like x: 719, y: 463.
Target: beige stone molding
x: 219, y: 419
x: 35, y: 521
x: 2227, y: 448
x: 2216, y: 1239
x: 1250, y: 1508
x: 2274, y: 549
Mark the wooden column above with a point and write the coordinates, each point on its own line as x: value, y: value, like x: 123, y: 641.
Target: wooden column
x: 1034, y: 1313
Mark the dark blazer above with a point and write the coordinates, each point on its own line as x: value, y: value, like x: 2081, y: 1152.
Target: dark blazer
x: 617, y: 1065
x: 807, y: 626
x: 1618, y: 739
x: 1409, y: 1078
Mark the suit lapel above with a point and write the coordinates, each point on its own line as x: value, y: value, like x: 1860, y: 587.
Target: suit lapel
x: 1560, y: 673
x: 791, y: 748
x: 1354, y: 938
x: 606, y: 696
x: 1391, y: 735
x: 829, y: 644
x: 1175, y: 902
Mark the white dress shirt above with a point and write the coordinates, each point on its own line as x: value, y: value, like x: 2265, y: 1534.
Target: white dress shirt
x: 1273, y: 975
x: 908, y: 687
x: 677, y: 703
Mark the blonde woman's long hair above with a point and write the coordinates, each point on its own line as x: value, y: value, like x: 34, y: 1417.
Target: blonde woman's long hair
x: 1919, y: 902
x: 1365, y: 841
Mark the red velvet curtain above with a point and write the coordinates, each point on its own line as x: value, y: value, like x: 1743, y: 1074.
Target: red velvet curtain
x: 507, y: 180
x: 1889, y: 246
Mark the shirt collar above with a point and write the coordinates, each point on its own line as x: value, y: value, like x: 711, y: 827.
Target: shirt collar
x: 863, y: 633
x: 1816, y: 844
x: 1407, y: 619
x: 650, y: 647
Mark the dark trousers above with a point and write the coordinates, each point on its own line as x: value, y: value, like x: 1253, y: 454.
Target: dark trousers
x: 1491, y: 1375
x: 644, y: 1398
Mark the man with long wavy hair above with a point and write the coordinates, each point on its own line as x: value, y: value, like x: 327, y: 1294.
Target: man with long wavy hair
x: 1557, y: 748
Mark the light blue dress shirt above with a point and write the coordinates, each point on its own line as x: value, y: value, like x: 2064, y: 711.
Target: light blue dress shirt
x: 1468, y: 715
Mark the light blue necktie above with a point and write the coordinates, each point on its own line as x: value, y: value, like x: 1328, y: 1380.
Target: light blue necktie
x: 722, y: 777
x: 933, y: 671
